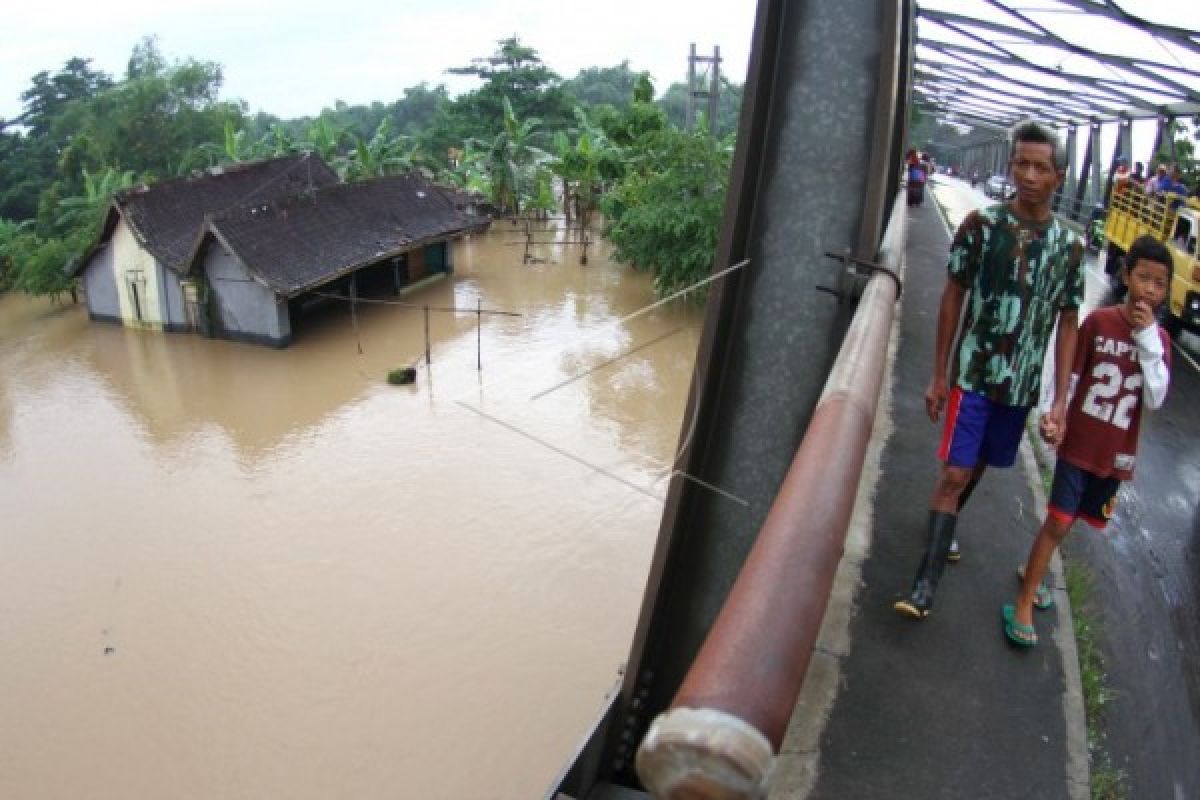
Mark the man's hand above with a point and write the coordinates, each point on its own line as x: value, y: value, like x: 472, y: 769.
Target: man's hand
x: 1052, y: 425
x: 935, y: 398
x: 1143, y: 315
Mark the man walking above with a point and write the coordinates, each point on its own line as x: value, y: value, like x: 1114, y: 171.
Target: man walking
x: 1017, y: 270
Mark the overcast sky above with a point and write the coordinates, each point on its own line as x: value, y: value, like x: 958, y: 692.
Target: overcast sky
x: 293, y: 57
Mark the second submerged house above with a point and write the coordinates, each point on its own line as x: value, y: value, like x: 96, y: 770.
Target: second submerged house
x: 255, y: 266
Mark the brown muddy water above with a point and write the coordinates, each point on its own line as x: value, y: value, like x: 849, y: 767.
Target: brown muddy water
x: 229, y: 571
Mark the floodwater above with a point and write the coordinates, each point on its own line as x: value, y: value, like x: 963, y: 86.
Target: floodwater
x: 229, y: 571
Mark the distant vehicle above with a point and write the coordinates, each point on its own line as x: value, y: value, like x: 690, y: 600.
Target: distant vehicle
x: 999, y: 188
x: 1175, y: 223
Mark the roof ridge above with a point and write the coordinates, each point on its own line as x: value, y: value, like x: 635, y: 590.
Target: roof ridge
x: 215, y: 173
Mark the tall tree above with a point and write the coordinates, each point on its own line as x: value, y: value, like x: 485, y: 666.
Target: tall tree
x: 32, y: 144
x: 514, y: 71
x: 596, y: 86
x: 416, y: 110
x: 163, y: 109
x: 50, y: 95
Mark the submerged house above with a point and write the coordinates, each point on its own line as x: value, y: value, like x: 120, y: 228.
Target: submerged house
x: 135, y: 273
x: 238, y: 251
x: 257, y: 266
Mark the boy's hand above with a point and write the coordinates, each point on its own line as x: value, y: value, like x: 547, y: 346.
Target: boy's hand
x: 1142, y: 314
x: 1053, y: 425
x: 1048, y: 428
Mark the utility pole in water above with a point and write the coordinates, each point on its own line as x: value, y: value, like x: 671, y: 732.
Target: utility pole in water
x: 703, y: 84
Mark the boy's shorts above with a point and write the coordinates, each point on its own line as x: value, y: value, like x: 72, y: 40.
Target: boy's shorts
x: 1079, y: 494
x: 980, y: 431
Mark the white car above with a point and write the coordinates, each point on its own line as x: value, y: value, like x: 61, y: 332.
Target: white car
x: 998, y: 187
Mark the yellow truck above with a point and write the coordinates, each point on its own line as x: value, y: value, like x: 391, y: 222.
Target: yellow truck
x: 1174, y: 221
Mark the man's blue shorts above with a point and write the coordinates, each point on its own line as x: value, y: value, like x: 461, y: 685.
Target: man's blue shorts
x: 1079, y: 494
x: 980, y: 431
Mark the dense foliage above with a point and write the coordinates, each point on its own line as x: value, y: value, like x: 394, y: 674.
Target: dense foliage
x: 665, y: 214
x: 527, y: 140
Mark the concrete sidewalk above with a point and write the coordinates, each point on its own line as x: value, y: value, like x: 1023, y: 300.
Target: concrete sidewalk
x: 945, y: 707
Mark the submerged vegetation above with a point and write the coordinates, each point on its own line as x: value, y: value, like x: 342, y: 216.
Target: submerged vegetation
x: 527, y: 141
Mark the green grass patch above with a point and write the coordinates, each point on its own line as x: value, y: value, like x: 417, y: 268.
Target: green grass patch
x: 1108, y: 782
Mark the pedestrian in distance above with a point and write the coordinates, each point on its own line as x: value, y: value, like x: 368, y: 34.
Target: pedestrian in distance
x: 1122, y: 363
x: 1159, y: 181
x: 916, y: 173
x: 1138, y: 177
x: 1121, y: 176
x: 1017, y: 270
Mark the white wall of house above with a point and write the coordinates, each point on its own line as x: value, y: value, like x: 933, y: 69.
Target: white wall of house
x: 138, y: 281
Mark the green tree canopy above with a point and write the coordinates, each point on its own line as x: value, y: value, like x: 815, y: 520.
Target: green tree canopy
x: 665, y: 214
x: 159, y: 113
x: 596, y: 86
x: 30, y: 145
x: 514, y: 71
x: 729, y: 105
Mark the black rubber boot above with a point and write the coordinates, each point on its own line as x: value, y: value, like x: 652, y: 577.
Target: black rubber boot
x: 941, y: 534
x: 954, y: 554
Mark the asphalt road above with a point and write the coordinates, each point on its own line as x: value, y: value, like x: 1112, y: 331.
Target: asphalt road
x: 1146, y: 570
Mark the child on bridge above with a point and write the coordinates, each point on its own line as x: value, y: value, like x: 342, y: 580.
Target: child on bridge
x: 1122, y: 361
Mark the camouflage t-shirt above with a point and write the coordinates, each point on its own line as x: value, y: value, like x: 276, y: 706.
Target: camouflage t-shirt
x: 1019, y: 275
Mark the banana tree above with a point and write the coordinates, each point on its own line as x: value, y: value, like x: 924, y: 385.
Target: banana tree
x: 84, y: 210
x: 511, y: 159
x: 325, y: 139
x: 468, y: 170
x: 383, y: 154
x: 235, y: 147
x: 277, y: 142
x: 583, y: 167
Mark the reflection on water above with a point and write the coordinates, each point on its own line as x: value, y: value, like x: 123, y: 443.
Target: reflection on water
x: 231, y: 571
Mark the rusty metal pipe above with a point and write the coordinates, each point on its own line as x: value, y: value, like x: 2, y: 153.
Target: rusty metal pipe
x: 728, y: 719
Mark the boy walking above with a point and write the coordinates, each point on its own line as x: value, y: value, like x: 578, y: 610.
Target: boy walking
x: 1017, y: 270
x: 1122, y: 362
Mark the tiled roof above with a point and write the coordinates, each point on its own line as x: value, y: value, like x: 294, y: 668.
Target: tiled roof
x: 296, y: 243
x: 166, y: 216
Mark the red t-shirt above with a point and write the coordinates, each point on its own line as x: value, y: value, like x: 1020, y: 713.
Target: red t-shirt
x: 1106, y: 409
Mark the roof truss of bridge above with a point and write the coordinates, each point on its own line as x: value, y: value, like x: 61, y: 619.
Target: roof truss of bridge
x: 993, y: 63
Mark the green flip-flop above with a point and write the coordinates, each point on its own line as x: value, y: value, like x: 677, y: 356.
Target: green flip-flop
x: 1023, y: 635
x: 1043, y: 598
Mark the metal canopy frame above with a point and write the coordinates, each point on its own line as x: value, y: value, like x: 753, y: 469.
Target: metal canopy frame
x: 976, y: 70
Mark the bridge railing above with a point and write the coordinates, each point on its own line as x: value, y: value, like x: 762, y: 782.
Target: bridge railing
x: 727, y: 721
